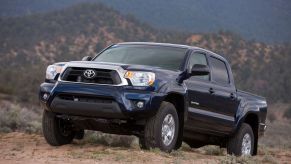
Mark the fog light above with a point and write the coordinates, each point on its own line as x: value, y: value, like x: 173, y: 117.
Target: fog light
x: 140, y: 104
x: 45, y: 96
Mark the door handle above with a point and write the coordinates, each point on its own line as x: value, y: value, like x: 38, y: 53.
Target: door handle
x: 211, y: 90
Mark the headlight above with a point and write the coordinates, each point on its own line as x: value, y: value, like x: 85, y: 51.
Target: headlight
x: 139, y: 78
x: 52, y: 71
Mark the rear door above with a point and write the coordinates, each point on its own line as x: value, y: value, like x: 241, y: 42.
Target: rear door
x: 225, y: 99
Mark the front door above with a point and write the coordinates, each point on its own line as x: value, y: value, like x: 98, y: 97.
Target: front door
x: 200, y: 98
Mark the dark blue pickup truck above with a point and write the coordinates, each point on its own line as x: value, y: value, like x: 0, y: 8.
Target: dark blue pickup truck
x: 162, y: 93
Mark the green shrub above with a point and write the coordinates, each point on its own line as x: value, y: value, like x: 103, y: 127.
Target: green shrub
x: 185, y: 147
x: 213, y: 150
x: 110, y: 139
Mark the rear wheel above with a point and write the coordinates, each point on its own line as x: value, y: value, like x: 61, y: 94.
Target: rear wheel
x: 56, y: 131
x: 242, y: 143
x: 161, y: 130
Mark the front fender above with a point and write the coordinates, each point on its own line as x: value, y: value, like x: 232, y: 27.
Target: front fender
x: 174, y: 88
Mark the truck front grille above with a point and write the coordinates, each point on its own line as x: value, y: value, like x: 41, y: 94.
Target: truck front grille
x: 102, y: 76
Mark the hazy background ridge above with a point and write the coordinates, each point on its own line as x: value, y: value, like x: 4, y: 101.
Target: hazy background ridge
x: 262, y: 20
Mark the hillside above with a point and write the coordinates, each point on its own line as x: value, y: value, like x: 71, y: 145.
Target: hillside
x: 29, y: 43
x: 267, y: 21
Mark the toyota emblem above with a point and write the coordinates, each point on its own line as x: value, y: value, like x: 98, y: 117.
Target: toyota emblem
x: 89, y: 73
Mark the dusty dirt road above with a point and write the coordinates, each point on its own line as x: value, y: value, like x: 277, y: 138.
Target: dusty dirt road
x: 32, y: 148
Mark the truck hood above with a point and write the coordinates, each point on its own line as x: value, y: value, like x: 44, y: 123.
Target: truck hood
x: 105, y: 65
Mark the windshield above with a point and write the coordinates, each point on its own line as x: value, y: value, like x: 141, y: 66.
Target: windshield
x: 158, y: 56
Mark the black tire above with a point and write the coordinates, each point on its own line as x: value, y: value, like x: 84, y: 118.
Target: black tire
x: 53, y: 130
x: 153, y: 128
x: 79, y: 134
x: 234, y: 145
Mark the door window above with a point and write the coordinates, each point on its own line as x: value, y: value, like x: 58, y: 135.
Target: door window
x: 219, y: 71
x: 198, y: 58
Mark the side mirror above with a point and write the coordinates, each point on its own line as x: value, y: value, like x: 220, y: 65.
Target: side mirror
x: 87, y: 58
x: 199, y: 69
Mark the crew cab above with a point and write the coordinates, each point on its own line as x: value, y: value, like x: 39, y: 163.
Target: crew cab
x: 162, y: 93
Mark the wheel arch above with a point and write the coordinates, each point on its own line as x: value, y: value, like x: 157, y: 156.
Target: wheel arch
x: 252, y: 119
x: 180, y: 102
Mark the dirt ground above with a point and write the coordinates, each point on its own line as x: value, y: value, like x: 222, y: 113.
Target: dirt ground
x: 31, y: 148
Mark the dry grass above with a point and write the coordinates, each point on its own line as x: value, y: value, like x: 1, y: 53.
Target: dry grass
x: 15, y: 117
x: 278, y: 135
x: 230, y: 159
x: 34, y: 149
x: 278, y: 129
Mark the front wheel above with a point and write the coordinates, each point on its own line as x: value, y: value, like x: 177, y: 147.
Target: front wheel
x: 242, y: 143
x: 161, y: 130
x: 56, y: 131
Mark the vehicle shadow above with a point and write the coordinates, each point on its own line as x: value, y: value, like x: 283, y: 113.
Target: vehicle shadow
x: 112, y: 140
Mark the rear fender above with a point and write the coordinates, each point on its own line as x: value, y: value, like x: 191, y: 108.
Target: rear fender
x: 244, y: 110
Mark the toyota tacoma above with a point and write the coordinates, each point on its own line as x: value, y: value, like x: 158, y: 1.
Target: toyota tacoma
x: 162, y: 93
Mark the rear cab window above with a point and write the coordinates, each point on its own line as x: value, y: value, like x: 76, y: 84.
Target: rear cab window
x: 219, y: 71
